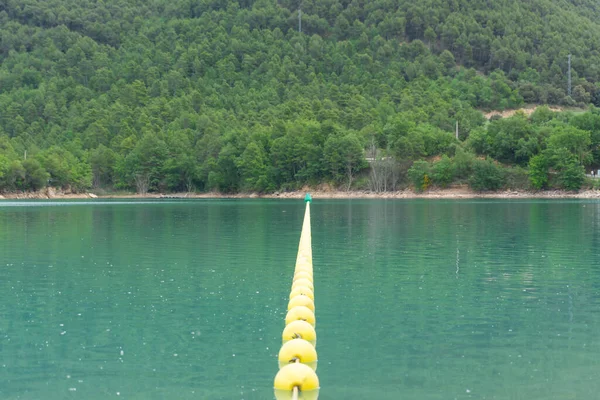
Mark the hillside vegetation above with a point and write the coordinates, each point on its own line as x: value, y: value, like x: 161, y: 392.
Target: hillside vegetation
x: 228, y: 95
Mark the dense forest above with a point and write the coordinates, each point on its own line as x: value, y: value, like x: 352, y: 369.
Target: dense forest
x: 246, y: 95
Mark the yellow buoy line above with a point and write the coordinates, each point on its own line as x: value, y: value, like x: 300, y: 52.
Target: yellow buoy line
x: 297, y: 379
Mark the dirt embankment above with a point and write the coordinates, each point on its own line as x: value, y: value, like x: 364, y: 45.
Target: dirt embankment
x: 528, y: 110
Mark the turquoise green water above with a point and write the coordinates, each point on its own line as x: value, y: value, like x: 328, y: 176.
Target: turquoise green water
x: 186, y: 300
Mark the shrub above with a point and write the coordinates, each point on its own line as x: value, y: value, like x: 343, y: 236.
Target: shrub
x: 419, y: 175
x: 361, y: 183
x: 486, y: 176
x: 516, y: 178
x: 442, y: 172
x: 463, y: 163
x: 591, y: 183
x: 571, y: 176
x: 426, y: 182
x: 538, y: 171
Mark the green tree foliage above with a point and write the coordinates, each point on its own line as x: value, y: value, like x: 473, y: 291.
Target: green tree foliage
x: 102, y: 161
x: 64, y: 168
x: 538, y: 171
x: 145, y: 162
x: 208, y: 95
x: 574, y: 140
x: 442, y: 171
x: 487, y: 175
x: 463, y: 163
x: 253, y: 169
x: 35, y: 176
x: 345, y: 157
x: 570, y: 174
x: 511, y: 140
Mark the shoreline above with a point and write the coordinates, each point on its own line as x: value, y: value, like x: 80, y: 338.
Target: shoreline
x: 450, y: 193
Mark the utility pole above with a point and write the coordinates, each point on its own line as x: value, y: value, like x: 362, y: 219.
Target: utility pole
x: 569, y: 84
x: 456, y: 129
x: 300, y: 20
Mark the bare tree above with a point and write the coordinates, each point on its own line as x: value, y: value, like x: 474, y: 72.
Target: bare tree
x: 189, y: 184
x: 384, y: 170
x: 384, y: 175
x: 96, y: 180
x: 349, y: 168
x: 142, y: 182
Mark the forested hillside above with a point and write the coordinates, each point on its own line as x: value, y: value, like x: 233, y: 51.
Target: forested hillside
x: 229, y: 95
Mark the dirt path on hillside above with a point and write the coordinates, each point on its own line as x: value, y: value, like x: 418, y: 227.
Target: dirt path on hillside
x: 528, y: 110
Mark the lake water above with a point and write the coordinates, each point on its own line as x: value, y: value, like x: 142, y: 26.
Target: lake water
x: 186, y: 299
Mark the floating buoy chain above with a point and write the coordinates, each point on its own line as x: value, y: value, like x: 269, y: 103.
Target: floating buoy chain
x: 297, y: 379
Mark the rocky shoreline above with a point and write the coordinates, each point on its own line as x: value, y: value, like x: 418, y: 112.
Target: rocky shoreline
x: 48, y: 193
x: 450, y: 193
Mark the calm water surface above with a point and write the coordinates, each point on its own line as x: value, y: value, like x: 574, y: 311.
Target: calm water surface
x: 186, y: 300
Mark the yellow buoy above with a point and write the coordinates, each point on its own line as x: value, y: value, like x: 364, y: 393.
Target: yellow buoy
x: 296, y: 379
x: 301, y: 313
x: 299, y: 330
x: 298, y: 350
x: 303, y: 274
x: 296, y: 375
x: 302, y: 291
x: 303, y: 282
x: 301, y: 300
x: 304, y: 266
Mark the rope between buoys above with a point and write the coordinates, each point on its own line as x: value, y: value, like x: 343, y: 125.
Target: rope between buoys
x: 295, y: 390
x: 297, y: 379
